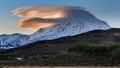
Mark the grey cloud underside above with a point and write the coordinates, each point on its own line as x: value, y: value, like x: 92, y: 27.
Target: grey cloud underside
x: 77, y: 21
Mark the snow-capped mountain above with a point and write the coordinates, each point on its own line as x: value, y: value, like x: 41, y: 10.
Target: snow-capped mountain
x: 76, y: 23
x: 57, y: 31
x: 68, y: 29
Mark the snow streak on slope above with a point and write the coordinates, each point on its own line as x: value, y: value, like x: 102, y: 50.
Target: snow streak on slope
x: 75, y: 22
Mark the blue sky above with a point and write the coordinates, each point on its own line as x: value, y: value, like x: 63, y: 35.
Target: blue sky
x: 107, y: 10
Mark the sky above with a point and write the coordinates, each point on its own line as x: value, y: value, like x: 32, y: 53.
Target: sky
x: 107, y: 10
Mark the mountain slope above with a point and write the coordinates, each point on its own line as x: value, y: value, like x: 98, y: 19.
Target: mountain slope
x: 111, y: 36
x: 12, y: 40
x: 66, y: 29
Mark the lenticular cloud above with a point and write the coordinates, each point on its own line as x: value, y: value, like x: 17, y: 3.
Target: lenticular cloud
x: 36, y: 17
x: 43, y: 17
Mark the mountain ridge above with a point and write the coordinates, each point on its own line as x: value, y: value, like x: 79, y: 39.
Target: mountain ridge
x: 57, y: 31
x: 111, y: 36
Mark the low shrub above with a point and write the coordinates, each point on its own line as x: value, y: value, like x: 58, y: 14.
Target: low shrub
x: 1, y: 66
x: 96, y: 49
x: 117, y: 39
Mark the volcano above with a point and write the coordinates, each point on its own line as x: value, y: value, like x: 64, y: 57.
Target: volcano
x: 78, y: 21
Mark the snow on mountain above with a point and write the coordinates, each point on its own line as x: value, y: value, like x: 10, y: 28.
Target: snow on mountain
x: 76, y: 23
x: 67, y: 29
x: 12, y: 40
